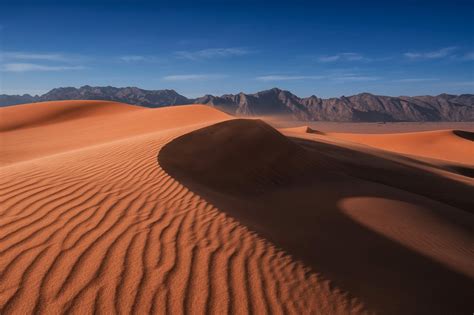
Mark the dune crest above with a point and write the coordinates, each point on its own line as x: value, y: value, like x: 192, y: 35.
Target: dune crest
x: 46, y: 113
x: 275, y: 160
x: 102, y: 122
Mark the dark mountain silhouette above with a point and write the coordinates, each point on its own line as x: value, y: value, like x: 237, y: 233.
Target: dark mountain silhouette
x: 7, y: 100
x: 361, y: 107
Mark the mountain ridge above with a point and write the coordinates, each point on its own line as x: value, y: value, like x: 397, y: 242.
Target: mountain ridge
x: 362, y: 107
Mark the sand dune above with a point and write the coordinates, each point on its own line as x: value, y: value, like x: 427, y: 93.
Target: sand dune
x: 97, y: 122
x: 449, y: 145
x: 94, y: 224
x: 302, y: 129
x: 356, y: 218
x: 111, y: 208
x: 46, y: 113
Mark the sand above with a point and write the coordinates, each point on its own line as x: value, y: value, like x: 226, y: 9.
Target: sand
x: 110, y: 208
x: 367, y: 127
x: 448, y: 145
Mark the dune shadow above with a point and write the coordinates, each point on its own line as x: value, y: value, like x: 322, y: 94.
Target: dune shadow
x: 289, y: 191
x: 397, y: 174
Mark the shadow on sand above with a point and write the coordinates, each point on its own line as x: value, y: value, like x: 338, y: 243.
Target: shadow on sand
x: 289, y: 191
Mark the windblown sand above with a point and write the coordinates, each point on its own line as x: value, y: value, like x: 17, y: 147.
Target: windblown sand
x: 110, y: 208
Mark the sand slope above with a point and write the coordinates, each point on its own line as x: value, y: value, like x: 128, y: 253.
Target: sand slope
x: 94, y: 225
x: 110, y: 208
x: 449, y: 145
x: 94, y: 122
x: 48, y: 113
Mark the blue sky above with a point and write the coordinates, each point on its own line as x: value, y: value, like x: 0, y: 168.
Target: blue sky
x: 216, y: 47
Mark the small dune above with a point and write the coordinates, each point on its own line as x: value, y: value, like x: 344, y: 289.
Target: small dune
x: 302, y: 129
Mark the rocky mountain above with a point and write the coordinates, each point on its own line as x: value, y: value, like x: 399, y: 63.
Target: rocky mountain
x: 130, y: 95
x: 361, y: 107
x: 7, y: 100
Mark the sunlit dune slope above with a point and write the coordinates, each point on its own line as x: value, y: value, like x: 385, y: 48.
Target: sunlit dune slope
x: 35, y: 130
x: 378, y: 228
x: 449, y: 145
x: 46, y: 113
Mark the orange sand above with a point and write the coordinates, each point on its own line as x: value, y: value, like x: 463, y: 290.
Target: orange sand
x: 443, y: 144
x: 111, y: 208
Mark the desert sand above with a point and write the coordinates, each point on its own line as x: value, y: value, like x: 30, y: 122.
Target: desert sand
x: 447, y: 145
x: 110, y: 208
x: 366, y: 127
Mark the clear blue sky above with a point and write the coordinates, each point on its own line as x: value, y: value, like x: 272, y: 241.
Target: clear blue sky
x: 217, y: 47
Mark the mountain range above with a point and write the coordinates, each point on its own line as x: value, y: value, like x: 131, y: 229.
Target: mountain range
x: 364, y: 107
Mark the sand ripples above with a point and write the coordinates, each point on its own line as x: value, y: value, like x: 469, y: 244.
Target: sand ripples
x: 105, y: 230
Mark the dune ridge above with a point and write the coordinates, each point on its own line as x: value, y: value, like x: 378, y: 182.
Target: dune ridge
x: 34, y: 115
x: 101, y: 122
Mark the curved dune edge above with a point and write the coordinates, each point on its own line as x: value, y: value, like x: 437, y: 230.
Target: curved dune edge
x: 102, y: 228
x: 293, y: 197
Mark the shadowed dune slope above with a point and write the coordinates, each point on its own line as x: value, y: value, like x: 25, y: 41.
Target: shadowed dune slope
x: 393, y: 233
x: 225, y: 149
x: 449, y: 145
